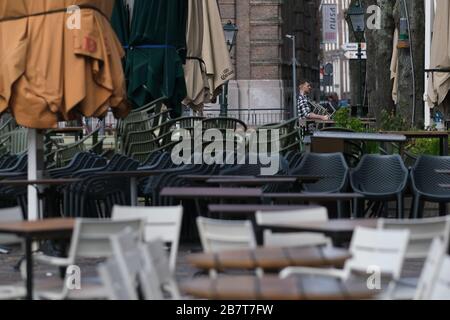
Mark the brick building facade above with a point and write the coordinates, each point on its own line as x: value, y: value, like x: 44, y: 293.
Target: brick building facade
x: 263, y: 55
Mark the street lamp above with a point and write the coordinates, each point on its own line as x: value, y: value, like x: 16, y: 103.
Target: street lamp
x: 356, y: 19
x: 230, y: 31
x: 294, y: 76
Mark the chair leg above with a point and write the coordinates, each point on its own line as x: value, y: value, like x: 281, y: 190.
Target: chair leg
x: 417, y: 205
x: 442, y: 209
x: 340, y: 209
x: 355, y: 212
x: 400, y: 213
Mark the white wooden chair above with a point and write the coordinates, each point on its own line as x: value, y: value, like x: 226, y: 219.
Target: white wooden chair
x: 90, y: 239
x: 441, y: 287
x: 422, y: 233
x: 219, y: 235
x: 156, y: 279
x: 297, y: 239
x: 125, y: 247
x: 430, y: 270
x: 421, y: 289
x: 117, y: 287
x: 383, y: 249
x: 10, y: 215
x: 160, y: 223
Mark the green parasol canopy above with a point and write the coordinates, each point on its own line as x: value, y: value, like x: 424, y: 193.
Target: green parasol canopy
x: 156, y: 50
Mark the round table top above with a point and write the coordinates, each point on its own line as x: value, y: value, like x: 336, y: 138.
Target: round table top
x: 271, y: 258
x: 274, y: 288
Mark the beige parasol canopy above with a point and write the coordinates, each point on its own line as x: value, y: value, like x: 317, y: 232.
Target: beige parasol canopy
x: 394, y: 68
x: 212, y: 66
x: 51, y: 69
x: 195, y: 68
x: 439, y: 84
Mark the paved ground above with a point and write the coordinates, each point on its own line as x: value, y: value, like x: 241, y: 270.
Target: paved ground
x: 8, y: 275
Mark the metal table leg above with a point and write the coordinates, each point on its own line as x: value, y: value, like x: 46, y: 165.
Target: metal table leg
x: 29, y: 260
x: 133, y: 191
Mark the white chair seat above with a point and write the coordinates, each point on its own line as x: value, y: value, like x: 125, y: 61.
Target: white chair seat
x: 12, y: 292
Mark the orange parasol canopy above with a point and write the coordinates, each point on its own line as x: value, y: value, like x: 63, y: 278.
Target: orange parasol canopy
x: 52, y: 68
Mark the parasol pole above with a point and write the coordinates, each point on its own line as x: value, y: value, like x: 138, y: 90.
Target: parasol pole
x: 35, y: 170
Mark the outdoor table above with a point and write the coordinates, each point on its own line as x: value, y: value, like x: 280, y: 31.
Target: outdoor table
x: 264, y: 180
x: 379, y: 137
x: 441, y: 135
x: 273, y: 259
x: 204, y: 178
x: 36, y: 183
x: 339, y: 230
x: 252, y: 208
x: 49, y: 229
x: 322, y: 197
x: 251, y: 182
x: 274, y: 288
x: 202, y: 193
x: 133, y: 176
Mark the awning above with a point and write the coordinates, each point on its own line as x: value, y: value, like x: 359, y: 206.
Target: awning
x: 51, y: 72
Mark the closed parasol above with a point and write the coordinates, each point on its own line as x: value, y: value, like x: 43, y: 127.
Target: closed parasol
x: 58, y: 62
x: 209, y: 65
x: 156, y: 52
x: 54, y: 71
x: 439, y: 83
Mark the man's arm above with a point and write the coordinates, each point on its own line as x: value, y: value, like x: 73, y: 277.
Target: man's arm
x: 314, y: 116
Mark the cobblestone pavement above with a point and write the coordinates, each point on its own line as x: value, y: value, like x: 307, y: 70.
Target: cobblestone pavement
x: 44, y: 274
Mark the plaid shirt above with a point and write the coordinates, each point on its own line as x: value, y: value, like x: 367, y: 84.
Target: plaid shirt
x: 303, y: 106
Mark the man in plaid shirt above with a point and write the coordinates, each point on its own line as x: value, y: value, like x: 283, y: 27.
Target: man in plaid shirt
x: 303, y: 107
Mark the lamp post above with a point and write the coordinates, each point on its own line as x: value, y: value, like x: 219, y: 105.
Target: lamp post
x: 230, y: 31
x: 294, y: 76
x: 356, y: 19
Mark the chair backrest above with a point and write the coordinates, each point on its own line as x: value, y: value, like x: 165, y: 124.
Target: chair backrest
x: 430, y: 270
x: 156, y: 276
x: 218, y: 235
x: 10, y: 215
x: 91, y: 238
x: 381, y: 249
x: 116, y: 285
x: 441, y: 288
x: 422, y: 233
x: 125, y: 248
x: 332, y: 166
x: 159, y: 223
x: 379, y: 174
x: 426, y: 179
x: 313, y: 214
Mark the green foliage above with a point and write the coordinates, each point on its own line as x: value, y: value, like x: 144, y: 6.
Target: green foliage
x: 344, y: 120
x: 424, y: 146
x: 392, y: 122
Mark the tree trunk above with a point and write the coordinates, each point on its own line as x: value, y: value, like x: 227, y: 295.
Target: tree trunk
x: 410, y: 73
x: 379, y: 53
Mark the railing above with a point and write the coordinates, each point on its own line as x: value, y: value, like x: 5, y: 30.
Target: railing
x: 253, y: 117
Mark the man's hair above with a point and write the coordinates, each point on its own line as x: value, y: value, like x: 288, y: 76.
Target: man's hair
x: 303, y: 81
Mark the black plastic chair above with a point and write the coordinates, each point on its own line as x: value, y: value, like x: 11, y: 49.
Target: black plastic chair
x: 425, y: 182
x: 333, y: 169
x: 380, y: 178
